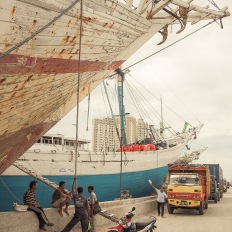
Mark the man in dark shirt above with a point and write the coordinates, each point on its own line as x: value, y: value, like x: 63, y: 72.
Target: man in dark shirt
x: 60, y: 198
x: 30, y: 200
x: 81, y: 209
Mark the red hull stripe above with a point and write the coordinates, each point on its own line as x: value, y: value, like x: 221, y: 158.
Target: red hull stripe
x: 18, y: 64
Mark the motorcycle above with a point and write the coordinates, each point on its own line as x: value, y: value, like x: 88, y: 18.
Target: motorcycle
x: 125, y: 224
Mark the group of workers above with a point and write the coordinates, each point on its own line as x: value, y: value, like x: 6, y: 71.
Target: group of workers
x: 84, y: 209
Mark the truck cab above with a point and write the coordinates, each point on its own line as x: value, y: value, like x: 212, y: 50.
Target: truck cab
x: 189, y: 187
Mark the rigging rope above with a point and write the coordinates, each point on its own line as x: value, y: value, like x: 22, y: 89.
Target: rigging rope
x: 10, y: 191
x: 87, y: 127
x: 78, y: 89
x: 39, y: 31
x: 177, y: 41
x: 159, y: 100
x: 107, y: 125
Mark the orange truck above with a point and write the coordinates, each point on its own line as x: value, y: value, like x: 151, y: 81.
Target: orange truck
x: 189, y: 187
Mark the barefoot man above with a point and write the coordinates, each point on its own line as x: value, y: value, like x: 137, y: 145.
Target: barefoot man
x: 61, y: 198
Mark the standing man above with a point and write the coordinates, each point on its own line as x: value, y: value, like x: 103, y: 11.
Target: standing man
x: 30, y: 200
x: 160, y: 199
x: 60, y: 198
x: 81, y: 209
x: 92, y: 202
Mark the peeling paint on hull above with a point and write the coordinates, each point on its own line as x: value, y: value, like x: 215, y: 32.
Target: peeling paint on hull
x: 13, y: 145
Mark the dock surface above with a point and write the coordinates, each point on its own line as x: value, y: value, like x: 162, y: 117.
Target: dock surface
x: 218, y: 217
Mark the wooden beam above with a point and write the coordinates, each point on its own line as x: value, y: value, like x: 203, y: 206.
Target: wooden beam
x: 129, y: 3
x: 220, y: 13
x: 159, y: 6
x: 141, y: 5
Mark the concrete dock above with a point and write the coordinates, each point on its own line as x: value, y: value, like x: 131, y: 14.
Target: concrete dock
x: 218, y: 217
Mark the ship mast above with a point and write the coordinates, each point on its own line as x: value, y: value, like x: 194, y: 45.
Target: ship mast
x: 121, y: 76
x: 162, y: 120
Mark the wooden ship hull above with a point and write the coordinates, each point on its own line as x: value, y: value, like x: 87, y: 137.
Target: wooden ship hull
x: 38, y: 78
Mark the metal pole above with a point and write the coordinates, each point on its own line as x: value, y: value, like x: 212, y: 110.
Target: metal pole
x: 122, y: 135
x: 114, y: 121
x: 78, y: 90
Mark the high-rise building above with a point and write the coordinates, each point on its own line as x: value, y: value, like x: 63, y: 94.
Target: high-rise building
x: 142, y: 129
x: 104, y: 137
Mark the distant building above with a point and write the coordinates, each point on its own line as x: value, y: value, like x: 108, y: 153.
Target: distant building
x: 142, y: 129
x: 104, y: 137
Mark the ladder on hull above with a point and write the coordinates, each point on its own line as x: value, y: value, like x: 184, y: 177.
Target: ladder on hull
x: 53, y: 185
x: 33, y: 174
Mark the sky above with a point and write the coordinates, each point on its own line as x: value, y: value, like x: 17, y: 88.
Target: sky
x: 194, y: 78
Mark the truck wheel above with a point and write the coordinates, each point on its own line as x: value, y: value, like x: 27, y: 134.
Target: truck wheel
x: 215, y: 199
x: 221, y: 195
x: 170, y: 209
x: 206, y: 205
x: 201, y: 209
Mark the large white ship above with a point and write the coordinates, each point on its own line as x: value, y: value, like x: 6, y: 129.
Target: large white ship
x: 53, y: 157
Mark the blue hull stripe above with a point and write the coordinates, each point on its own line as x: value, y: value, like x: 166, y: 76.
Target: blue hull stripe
x: 106, y: 186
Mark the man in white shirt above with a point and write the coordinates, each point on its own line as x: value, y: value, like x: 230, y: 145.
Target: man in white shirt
x: 160, y: 199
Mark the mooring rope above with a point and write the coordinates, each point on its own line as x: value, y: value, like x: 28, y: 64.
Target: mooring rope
x: 78, y: 89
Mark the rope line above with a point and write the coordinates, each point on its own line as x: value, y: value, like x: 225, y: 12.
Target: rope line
x: 39, y: 31
x: 10, y: 191
x: 177, y: 41
x: 78, y: 89
x: 159, y: 99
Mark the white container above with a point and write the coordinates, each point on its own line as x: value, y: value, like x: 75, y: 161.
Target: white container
x: 21, y: 208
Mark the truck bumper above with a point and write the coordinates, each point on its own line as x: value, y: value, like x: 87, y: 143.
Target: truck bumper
x: 212, y: 196
x: 176, y: 203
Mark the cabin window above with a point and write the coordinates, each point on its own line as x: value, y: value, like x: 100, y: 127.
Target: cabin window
x: 57, y: 141
x: 47, y: 140
x: 71, y: 144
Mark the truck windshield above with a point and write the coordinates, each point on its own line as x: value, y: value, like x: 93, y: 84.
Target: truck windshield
x: 183, y: 179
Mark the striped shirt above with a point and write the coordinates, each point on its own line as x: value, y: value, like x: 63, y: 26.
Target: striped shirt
x: 29, y: 198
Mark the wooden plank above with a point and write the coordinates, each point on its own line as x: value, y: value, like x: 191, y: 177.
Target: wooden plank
x: 198, y: 8
x: 129, y: 3
x: 159, y: 6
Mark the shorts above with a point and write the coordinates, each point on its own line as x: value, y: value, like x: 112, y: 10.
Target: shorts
x: 57, y: 203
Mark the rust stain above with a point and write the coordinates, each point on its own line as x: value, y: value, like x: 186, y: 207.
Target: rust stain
x: 13, y: 11
x: 88, y: 19
x: 12, y: 95
x: 25, y: 82
x: 68, y: 24
x: 2, y: 80
x: 111, y: 25
x: 7, y: 45
x: 72, y: 39
x: 34, y: 22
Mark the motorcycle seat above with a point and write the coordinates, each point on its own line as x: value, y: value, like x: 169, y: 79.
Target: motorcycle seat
x: 140, y: 224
